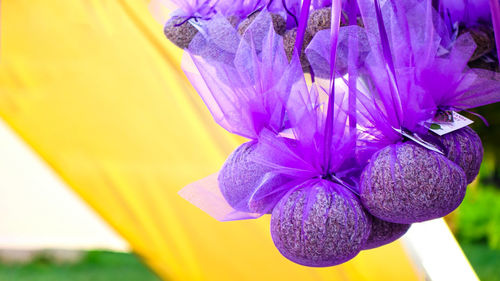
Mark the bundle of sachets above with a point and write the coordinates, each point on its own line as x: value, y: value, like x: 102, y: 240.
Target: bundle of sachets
x: 347, y: 156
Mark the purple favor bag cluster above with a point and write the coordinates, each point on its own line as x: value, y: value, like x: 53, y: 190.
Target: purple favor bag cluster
x: 350, y: 109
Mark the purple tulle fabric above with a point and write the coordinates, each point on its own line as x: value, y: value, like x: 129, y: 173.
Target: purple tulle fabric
x: 206, y: 195
x: 441, y: 75
x: 206, y: 9
x: 308, y: 154
x: 464, y: 88
x: 244, y: 89
x: 324, y: 138
x: 240, y: 8
x: 318, y: 4
x: 195, y: 8
x: 408, y: 75
x: 495, y: 19
x: 318, y: 51
x: 246, y: 92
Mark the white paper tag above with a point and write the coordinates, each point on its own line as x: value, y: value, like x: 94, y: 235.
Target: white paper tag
x: 443, y: 128
x: 287, y: 133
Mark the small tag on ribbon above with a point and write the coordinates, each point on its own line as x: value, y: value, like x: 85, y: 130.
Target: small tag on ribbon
x: 287, y: 133
x: 447, y: 121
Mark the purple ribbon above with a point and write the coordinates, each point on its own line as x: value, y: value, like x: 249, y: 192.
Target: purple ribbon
x: 289, y: 12
x: 301, y: 30
x: 334, y: 34
x: 389, y: 63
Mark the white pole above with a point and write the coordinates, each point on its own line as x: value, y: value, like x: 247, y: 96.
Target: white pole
x: 436, y: 251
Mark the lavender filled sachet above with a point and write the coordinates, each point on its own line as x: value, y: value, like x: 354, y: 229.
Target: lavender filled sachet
x: 465, y: 89
x: 408, y: 179
x: 438, y: 83
x: 407, y: 183
x: 245, y: 98
x: 318, y: 219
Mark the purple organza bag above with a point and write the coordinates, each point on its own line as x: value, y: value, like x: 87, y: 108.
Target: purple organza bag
x: 465, y: 88
x: 408, y: 179
x: 249, y: 92
x: 245, y: 96
x: 313, y: 151
x: 318, y: 51
x: 410, y: 77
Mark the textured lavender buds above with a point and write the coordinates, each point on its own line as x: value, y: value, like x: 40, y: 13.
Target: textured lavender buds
x: 484, y: 38
x: 384, y: 232
x: 485, y: 41
x: 319, y: 225
x: 289, y: 45
x: 240, y: 176
x: 319, y: 20
x: 180, y: 32
x: 279, y: 23
x: 406, y: 183
x: 464, y: 147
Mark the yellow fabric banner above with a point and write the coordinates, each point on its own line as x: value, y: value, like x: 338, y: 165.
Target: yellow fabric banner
x: 97, y: 91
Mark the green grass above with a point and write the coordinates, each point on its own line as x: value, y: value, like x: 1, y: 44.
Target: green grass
x: 484, y: 260
x: 478, y: 217
x: 95, y: 266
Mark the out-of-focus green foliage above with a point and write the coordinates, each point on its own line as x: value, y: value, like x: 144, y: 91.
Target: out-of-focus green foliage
x: 490, y: 136
x: 478, y: 218
x: 484, y: 261
x: 95, y: 266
